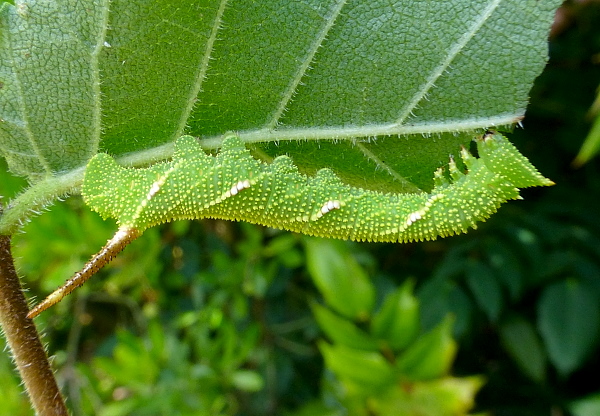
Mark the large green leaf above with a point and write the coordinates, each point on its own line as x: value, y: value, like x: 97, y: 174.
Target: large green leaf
x: 80, y: 76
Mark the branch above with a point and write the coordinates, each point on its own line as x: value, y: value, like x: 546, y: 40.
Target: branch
x: 24, y: 341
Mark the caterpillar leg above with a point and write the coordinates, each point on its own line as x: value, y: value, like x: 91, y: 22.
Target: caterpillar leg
x: 114, y: 246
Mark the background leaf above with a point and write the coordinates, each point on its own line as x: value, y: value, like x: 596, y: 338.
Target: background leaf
x: 568, y: 338
x: 588, y: 406
x: 591, y: 144
x: 342, y: 331
x: 431, y: 355
x: 522, y: 342
x: 397, y: 321
x: 344, y: 284
x: 485, y: 288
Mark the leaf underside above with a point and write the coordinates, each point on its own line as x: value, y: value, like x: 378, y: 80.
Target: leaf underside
x: 379, y: 92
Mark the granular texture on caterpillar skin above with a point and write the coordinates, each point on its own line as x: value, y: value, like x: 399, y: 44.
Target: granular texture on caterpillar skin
x: 234, y: 186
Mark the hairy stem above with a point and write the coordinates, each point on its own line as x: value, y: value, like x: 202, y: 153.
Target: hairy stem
x: 24, y: 341
x: 36, y: 198
x: 114, y: 246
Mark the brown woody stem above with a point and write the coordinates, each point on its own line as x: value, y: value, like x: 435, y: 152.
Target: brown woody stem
x: 24, y: 341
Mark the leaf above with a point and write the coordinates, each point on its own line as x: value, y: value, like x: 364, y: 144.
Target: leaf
x: 360, y: 70
x: 343, y: 331
x: 431, y: 355
x: 340, y: 279
x: 506, y: 266
x: 441, y: 397
x: 587, y: 406
x: 397, y: 321
x: 274, y: 71
x: 569, y: 339
x: 247, y: 380
x: 367, y: 369
x: 441, y: 295
x: 154, y: 63
x: 485, y: 288
x: 50, y: 84
x: 522, y: 342
x: 591, y: 144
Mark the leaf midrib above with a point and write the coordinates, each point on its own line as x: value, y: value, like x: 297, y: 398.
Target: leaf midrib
x: 351, y: 133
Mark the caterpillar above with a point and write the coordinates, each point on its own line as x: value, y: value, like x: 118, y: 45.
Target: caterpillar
x: 235, y: 186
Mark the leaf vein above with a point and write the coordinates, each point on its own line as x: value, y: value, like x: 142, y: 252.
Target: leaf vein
x: 94, y: 141
x: 453, y: 52
x: 406, y: 184
x: 21, y: 104
x: 202, y: 70
x: 305, y: 66
x: 370, y: 130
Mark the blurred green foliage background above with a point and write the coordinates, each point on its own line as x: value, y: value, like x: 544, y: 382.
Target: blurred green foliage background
x: 218, y: 318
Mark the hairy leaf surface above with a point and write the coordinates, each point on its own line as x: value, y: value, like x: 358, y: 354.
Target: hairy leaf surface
x: 78, y: 76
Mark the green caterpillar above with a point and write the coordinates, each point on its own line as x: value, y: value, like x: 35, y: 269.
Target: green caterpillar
x: 234, y: 186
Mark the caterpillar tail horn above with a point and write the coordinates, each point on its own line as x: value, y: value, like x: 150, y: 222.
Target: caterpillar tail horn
x: 114, y: 246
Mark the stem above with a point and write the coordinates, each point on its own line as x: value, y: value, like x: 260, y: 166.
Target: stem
x: 24, y: 341
x: 36, y: 198
x: 114, y: 246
